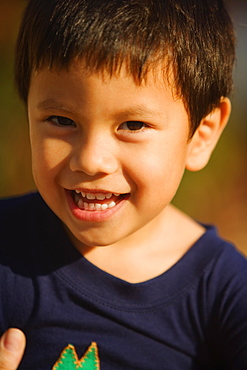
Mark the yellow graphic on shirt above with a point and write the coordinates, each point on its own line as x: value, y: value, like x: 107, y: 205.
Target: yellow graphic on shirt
x: 68, y: 359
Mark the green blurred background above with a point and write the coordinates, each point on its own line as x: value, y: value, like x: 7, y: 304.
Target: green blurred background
x: 217, y: 194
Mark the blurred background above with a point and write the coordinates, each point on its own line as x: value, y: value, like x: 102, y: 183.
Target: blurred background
x: 217, y: 194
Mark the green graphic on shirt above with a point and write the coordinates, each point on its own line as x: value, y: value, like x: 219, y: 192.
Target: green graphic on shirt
x: 68, y: 359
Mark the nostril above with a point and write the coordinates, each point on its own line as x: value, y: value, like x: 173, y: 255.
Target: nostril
x: 94, y: 156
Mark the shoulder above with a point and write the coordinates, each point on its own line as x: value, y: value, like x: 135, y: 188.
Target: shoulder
x: 14, y: 211
x: 12, y: 204
x: 15, y: 256
x: 228, y: 281
x: 224, y: 264
x: 21, y: 218
x: 17, y: 214
x: 227, y: 260
x: 220, y: 271
x: 28, y: 231
x: 224, y: 286
x: 218, y: 292
x: 18, y: 211
x: 27, y: 234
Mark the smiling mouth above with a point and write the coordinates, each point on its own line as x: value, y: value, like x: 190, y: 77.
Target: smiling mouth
x: 96, y: 201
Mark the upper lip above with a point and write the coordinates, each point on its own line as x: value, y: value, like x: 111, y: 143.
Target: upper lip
x: 93, y: 191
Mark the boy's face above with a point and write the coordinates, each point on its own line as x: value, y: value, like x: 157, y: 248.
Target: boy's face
x: 109, y: 139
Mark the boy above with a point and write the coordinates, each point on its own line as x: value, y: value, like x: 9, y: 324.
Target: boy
x: 121, y: 97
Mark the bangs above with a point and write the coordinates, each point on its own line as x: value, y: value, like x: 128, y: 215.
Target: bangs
x: 70, y: 31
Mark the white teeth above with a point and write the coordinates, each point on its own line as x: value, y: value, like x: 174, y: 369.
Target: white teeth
x: 100, y: 196
x: 80, y: 203
x: 90, y: 196
x: 91, y: 206
x: 111, y: 205
x: 94, y: 206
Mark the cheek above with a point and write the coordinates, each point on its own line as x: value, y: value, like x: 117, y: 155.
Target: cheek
x: 48, y: 157
x: 160, y: 167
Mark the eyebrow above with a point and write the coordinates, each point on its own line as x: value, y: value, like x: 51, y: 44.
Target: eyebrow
x: 142, y: 110
x: 53, y: 104
x: 136, y: 110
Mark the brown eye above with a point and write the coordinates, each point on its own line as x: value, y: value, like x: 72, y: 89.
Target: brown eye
x: 132, y: 125
x: 62, y: 121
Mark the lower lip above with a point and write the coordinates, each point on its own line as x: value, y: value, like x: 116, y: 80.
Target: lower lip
x: 93, y: 216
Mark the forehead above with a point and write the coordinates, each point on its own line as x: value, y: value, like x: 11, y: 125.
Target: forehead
x: 157, y: 76
x: 78, y: 80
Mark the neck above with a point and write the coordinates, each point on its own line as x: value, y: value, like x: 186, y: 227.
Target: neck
x: 150, y: 251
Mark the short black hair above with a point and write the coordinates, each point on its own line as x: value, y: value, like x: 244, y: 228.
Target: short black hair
x: 192, y: 38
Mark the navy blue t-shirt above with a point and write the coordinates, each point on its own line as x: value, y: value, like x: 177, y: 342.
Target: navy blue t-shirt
x: 193, y: 316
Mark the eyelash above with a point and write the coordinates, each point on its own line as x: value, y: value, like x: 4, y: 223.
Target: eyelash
x: 137, y: 126
x: 53, y: 119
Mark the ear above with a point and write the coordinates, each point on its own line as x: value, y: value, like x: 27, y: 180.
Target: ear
x: 207, y: 135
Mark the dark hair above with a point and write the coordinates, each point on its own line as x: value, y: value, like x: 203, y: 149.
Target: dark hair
x: 192, y: 38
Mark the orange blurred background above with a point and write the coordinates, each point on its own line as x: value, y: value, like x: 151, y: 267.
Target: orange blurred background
x: 217, y: 194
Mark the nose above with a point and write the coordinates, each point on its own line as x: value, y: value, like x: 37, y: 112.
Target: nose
x: 94, y: 155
